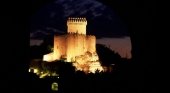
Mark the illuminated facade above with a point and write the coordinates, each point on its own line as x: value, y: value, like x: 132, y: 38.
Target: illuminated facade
x: 76, y: 47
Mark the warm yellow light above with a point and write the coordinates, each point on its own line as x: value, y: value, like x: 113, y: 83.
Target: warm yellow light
x: 43, y: 75
x: 54, y: 86
x: 54, y: 74
x: 29, y: 70
x: 35, y: 70
x: 48, y: 57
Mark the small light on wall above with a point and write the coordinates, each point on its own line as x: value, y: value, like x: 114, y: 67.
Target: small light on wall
x: 54, y: 86
x: 35, y: 70
x: 29, y: 70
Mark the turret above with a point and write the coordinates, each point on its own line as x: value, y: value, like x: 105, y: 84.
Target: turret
x: 76, y: 25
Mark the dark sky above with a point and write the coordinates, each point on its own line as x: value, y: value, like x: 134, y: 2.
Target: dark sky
x: 141, y: 17
x: 103, y: 22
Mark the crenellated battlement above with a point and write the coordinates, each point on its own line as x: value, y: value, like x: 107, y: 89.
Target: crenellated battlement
x: 76, y: 20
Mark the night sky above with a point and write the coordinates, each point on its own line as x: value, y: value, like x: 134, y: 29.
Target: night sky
x: 140, y: 21
x: 103, y: 22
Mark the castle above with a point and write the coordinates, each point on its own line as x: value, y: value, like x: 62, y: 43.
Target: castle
x: 76, y: 47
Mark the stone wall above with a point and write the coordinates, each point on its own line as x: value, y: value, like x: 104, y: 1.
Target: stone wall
x: 91, y: 45
x: 59, y: 46
x: 76, y: 25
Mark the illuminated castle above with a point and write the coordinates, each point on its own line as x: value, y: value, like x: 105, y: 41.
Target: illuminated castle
x: 76, y: 47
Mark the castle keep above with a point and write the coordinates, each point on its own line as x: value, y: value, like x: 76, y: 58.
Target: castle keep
x: 76, y: 47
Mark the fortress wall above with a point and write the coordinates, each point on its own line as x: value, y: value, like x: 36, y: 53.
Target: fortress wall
x: 63, y: 45
x: 84, y: 44
x: 70, y: 47
x: 59, y: 46
x: 91, y: 43
x: 56, y: 49
x: 81, y: 47
x: 76, y: 51
x: 76, y: 45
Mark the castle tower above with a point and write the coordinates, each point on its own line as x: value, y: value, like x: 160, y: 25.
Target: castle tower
x: 76, y: 25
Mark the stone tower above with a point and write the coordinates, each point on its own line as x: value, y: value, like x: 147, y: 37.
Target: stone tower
x: 76, y: 25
